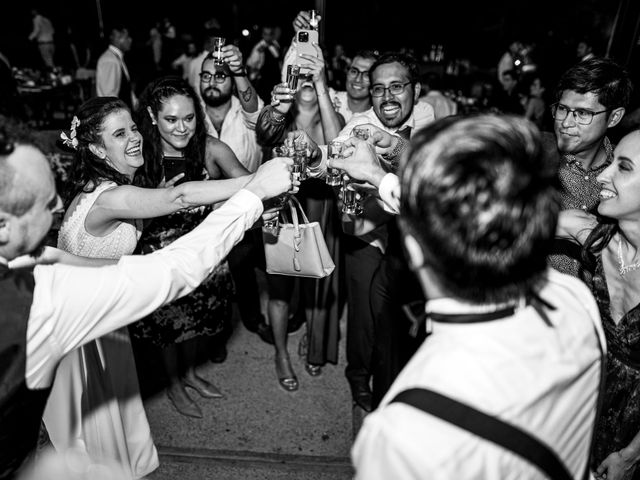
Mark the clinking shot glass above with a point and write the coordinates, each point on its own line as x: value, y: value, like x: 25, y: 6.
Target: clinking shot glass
x: 334, y: 175
x: 273, y: 226
x: 361, y: 132
x: 301, y: 154
x: 293, y: 73
x: 350, y: 203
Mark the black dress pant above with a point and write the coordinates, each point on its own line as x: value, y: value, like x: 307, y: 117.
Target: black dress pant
x: 393, y: 286
x: 247, y: 255
x: 361, y: 262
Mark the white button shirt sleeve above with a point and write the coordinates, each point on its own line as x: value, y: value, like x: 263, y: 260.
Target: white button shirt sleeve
x: 74, y: 305
x: 389, y: 191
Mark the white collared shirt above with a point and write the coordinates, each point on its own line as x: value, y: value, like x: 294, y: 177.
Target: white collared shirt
x: 239, y: 132
x: 74, y: 305
x: 543, y: 379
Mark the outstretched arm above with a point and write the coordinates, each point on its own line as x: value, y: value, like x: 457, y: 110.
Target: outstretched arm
x: 129, y: 202
x: 51, y: 255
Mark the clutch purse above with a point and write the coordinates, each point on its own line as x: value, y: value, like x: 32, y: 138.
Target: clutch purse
x: 299, y: 249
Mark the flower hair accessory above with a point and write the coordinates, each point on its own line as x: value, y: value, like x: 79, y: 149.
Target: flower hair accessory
x: 71, y: 140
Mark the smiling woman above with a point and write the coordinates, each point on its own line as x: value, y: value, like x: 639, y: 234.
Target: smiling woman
x: 611, y: 264
x: 172, y: 123
x: 95, y: 401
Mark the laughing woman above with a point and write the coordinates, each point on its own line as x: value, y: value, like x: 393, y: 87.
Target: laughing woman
x: 172, y: 123
x: 95, y: 403
x: 611, y: 260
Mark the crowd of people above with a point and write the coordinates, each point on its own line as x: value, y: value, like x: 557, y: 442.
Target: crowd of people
x: 490, y: 268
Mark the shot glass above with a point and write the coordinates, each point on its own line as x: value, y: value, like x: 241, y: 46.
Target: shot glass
x: 293, y: 74
x: 350, y: 203
x: 334, y: 175
x: 313, y: 19
x: 301, y: 153
x: 218, y: 43
x: 272, y: 227
x: 361, y: 132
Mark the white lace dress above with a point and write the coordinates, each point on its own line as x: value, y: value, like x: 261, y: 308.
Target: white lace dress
x: 95, y: 403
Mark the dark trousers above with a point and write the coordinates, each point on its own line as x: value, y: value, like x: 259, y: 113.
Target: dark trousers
x: 393, y: 286
x: 361, y: 262
x: 247, y: 255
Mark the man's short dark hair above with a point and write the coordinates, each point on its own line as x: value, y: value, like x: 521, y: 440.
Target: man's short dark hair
x: 600, y: 76
x: 14, y: 198
x: 407, y: 61
x: 368, y: 54
x: 479, y: 197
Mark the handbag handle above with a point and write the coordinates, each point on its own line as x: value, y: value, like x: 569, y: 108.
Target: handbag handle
x: 296, y: 203
x: 297, y: 236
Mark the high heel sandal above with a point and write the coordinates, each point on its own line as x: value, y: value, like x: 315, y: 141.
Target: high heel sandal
x: 289, y: 383
x: 313, y: 370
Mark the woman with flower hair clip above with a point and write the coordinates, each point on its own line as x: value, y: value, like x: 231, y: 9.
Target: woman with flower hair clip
x: 95, y: 403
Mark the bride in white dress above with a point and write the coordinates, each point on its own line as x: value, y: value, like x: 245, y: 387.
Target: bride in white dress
x: 95, y: 403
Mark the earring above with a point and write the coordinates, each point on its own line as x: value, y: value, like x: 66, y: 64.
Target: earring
x: 153, y: 122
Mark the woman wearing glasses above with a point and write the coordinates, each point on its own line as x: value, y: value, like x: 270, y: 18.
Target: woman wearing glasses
x: 171, y: 121
x: 611, y: 267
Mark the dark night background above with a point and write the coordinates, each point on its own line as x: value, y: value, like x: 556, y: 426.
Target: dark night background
x: 478, y: 31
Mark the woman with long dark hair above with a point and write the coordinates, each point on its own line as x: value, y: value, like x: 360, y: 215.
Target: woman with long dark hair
x: 95, y: 404
x: 172, y: 124
x: 611, y: 267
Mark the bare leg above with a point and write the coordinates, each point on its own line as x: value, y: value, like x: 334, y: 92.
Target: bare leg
x: 279, y: 317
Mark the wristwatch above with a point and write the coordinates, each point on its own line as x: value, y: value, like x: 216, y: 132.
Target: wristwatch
x: 242, y: 73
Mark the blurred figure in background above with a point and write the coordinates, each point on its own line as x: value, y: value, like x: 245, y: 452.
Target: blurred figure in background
x: 43, y: 33
x: 431, y: 93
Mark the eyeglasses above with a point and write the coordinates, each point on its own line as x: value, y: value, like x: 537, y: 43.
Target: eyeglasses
x: 394, y: 89
x: 580, y: 115
x: 353, y: 72
x: 218, y: 77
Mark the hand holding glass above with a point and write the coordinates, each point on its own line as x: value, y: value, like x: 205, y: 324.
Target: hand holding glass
x: 218, y: 43
x: 301, y: 153
x: 334, y: 175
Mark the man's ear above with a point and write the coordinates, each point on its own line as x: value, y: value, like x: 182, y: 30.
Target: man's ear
x: 5, y: 227
x: 417, y: 88
x: 98, y: 151
x: 414, y: 251
x: 615, y: 117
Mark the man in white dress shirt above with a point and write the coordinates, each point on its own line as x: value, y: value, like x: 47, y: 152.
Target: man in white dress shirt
x: 509, y: 336
x: 231, y: 107
x: 112, y: 75
x: 49, y: 310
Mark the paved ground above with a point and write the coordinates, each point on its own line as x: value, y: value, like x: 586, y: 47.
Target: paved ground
x: 258, y: 430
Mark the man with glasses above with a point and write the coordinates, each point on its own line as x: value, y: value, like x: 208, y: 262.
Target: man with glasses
x: 591, y: 98
x: 356, y: 97
x: 231, y: 107
x: 372, y: 283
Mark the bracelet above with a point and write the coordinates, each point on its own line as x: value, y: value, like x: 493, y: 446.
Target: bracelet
x: 397, y: 150
x: 322, y: 94
x: 243, y: 73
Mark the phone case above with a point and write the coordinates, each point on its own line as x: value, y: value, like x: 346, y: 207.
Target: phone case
x: 173, y: 167
x: 306, y: 47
